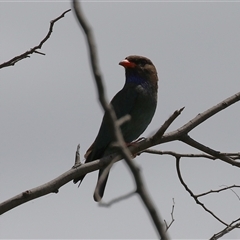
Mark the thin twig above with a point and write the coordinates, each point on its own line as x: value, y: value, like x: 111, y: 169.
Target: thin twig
x: 192, y: 194
x: 27, y: 54
x: 234, y: 156
x: 231, y: 189
x: 175, y: 154
x: 219, y: 190
x: 172, y: 217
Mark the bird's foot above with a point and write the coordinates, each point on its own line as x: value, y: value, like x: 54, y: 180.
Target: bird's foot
x: 134, y: 143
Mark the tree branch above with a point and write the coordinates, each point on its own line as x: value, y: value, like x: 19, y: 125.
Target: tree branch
x: 188, y: 140
x: 220, y: 190
x: 226, y: 230
x: 27, y: 54
x: 172, y: 218
x: 200, y: 118
x: 77, y: 171
x: 234, y: 156
x: 192, y: 194
x: 141, y: 189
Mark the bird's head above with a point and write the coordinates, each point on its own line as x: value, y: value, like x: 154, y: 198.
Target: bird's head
x: 140, y: 70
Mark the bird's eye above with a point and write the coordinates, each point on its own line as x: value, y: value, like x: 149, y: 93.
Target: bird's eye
x: 143, y: 62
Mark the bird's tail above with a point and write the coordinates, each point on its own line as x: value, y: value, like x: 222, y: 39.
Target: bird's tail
x: 99, y: 190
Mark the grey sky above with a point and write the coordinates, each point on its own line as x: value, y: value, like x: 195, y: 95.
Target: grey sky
x: 49, y: 105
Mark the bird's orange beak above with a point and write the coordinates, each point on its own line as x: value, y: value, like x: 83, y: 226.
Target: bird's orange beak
x: 125, y: 63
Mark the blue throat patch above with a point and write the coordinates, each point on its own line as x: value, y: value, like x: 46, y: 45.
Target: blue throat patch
x: 133, y: 78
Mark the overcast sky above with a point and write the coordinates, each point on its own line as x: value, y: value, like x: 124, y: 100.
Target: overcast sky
x: 49, y: 105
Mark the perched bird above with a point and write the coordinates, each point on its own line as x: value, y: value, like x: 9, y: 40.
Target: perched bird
x: 138, y: 98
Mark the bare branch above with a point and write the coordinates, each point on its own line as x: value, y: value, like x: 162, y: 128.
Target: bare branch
x: 77, y: 171
x: 27, y: 54
x: 226, y: 230
x: 219, y: 190
x: 234, y: 156
x: 170, y: 224
x: 231, y: 189
x: 192, y: 194
x: 157, y: 137
x: 114, y: 125
x: 49, y: 187
x: 200, y: 118
x: 175, y: 154
x: 142, y: 191
x: 182, y: 133
x: 188, y: 140
x: 92, y: 53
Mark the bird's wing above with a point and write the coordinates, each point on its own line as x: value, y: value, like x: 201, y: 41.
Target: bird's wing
x: 123, y: 102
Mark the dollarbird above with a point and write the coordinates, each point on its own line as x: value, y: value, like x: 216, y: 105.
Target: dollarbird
x: 137, y: 98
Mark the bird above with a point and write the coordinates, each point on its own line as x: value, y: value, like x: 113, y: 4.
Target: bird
x: 137, y: 98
